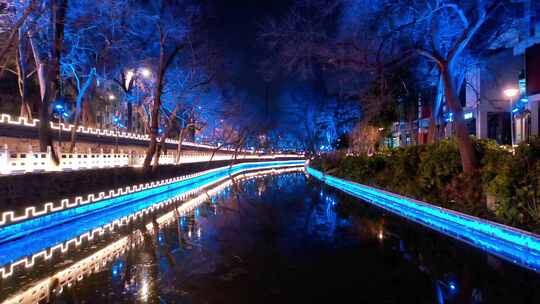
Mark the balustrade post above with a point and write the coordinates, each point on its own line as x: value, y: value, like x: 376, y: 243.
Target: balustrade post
x: 112, y: 155
x: 4, y: 162
x: 101, y: 159
x: 50, y: 161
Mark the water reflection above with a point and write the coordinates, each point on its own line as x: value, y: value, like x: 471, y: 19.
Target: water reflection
x: 287, y: 238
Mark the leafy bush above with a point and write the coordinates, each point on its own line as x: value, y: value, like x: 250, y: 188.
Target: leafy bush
x: 433, y: 173
x: 516, y: 186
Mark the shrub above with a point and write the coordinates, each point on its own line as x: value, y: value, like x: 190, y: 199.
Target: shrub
x: 433, y: 173
x: 516, y: 186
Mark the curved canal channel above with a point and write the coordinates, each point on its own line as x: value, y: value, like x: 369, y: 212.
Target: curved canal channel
x: 270, y: 235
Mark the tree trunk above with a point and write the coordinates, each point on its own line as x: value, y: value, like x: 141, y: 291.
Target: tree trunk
x: 238, y: 146
x: 129, y: 116
x: 88, y: 114
x: 433, y: 133
x: 26, y: 110
x: 78, y: 108
x: 154, y: 118
x: 143, y: 118
x: 179, y: 147
x: 466, y: 149
x: 154, y: 126
x: 45, y: 138
x: 161, y: 145
x: 16, y: 29
x: 214, y: 151
x: 164, y: 62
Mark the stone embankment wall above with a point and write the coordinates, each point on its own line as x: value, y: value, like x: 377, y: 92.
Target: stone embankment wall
x: 20, y: 191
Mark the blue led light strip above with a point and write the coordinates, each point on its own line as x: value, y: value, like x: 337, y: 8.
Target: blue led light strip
x: 52, y: 237
x: 518, y: 246
x: 40, y: 291
x: 32, y: 225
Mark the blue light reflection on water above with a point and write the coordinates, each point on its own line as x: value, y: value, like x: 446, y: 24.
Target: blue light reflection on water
x: 97, y: 216
x: 56, y: 218
x: 517, y: 246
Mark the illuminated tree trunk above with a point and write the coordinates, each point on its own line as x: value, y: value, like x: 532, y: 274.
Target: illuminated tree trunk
x: 179, y: 147
x: 161, y: 146
x: 45, y: 138
x: 26, y: 110
x: 180, y: 140
x: 164, y: 63
x: 433, y: 134
x: 466, y: 148
x: 154, y: 117
x: 16, y: 30
x: 78, y: 108
x: 129, y: 123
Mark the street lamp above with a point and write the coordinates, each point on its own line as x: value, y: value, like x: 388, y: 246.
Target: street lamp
x: 59, y: 109
x: 146, y: 73
x: 116, y: 121
x: 511, y: 93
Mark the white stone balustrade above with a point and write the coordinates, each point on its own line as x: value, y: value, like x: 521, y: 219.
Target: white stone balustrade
x: 7, y: 119
x: 30, y: 161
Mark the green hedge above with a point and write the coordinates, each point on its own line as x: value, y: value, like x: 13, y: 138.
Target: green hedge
x: 433, y: 173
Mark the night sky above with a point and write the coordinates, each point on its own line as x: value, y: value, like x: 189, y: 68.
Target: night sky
x: 235, y: 26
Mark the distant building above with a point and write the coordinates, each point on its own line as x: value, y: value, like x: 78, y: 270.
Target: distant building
x: 527, y: 117
x: 487, y: 108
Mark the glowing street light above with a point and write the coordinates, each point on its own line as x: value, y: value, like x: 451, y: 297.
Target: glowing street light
x: 511, y: 93
x: 112, y: 97
x: 146, y: 73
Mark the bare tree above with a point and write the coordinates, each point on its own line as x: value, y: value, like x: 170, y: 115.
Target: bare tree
x: 374, y: 37
x: 15, y: 26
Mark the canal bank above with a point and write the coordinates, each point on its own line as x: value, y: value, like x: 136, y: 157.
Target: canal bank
x: 18, y: 192
x: 514, y: 245
x: 290, y: 239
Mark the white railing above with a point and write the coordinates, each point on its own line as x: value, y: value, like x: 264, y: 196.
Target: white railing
x: 7, y: 119
x: 27, y: 162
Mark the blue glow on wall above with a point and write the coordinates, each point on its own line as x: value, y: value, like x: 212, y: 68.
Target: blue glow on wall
x: 34, y: 235
x: 514, y: 245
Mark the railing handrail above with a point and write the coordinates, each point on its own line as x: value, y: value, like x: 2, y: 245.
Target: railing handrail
x: 13, y: 162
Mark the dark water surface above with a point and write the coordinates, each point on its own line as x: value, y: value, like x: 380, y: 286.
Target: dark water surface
x: 289, y: 239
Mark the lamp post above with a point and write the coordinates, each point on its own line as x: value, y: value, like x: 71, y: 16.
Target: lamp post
x: 511, y: 93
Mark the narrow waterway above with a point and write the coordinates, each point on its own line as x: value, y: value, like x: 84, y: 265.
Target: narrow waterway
x: 286, y: 239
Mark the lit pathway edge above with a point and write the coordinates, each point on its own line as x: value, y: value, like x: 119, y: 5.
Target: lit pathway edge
x: 515, y: 245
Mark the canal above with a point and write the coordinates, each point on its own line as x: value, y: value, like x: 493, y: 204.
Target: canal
x: 275, y: 238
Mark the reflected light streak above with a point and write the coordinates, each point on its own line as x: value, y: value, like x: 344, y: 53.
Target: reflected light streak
x: 514, y: 245
x: 21, y: 249
x: 41, y: 290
